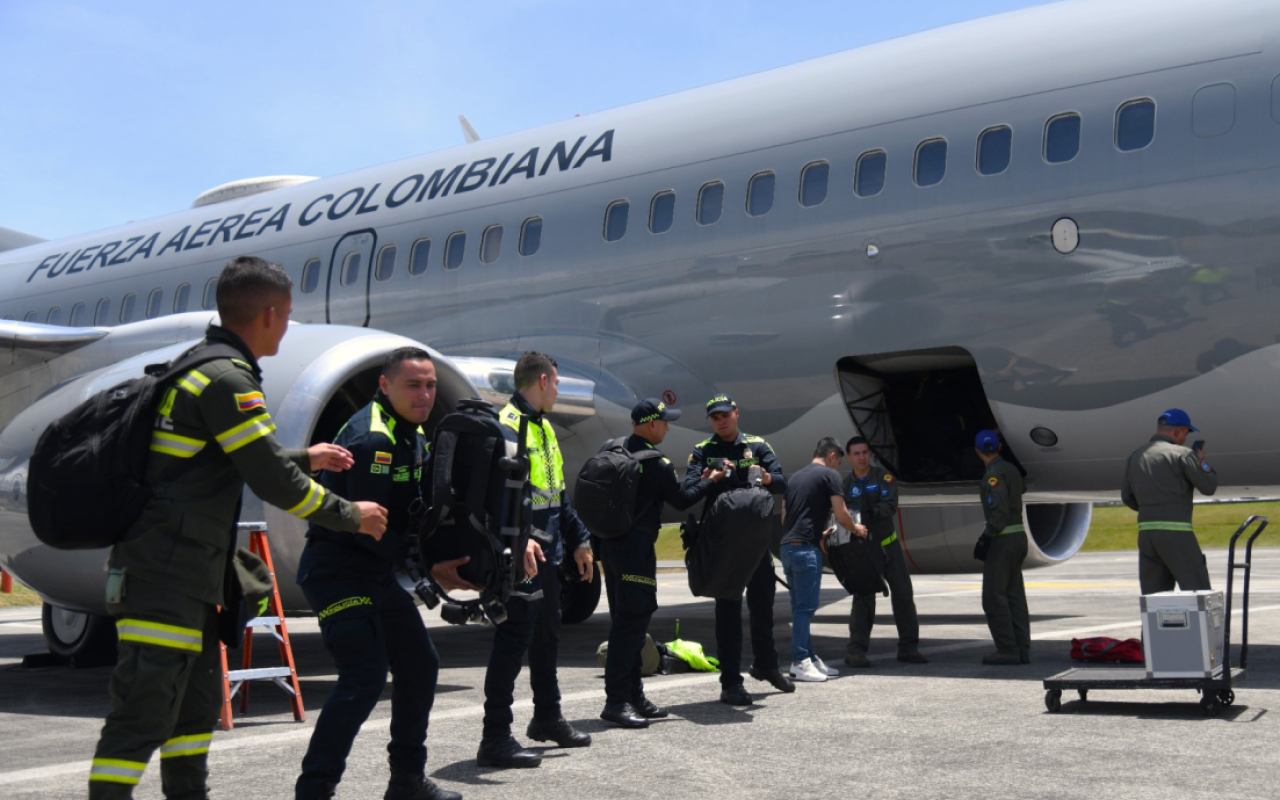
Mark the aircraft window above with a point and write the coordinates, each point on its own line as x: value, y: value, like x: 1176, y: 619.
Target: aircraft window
x: 491, y: 244
x: 1062, y: 138
x: 995, y: 146
x: 153, y: 303
x: 662, y: 212
x: 210, y: 300
x: 31, y: 316
x: 868, y: 179
x: 615, y: 220
x: 8, y: 316
x: 418, y: 256
x: 127, y: 306
x: 710, y: 203
x: 1213, y: 110
x: 103, y: 311
x: 386, y: 263
x: 530, y: 236
x: 181, y: 298
x: 931, y: 162
x: 310, y: 275
x: 350, y: 268
x: 760, y: 194
x: 455, y: 247
x: 77, y: 314
x: 54, y: 317
x: 1135, y: 125
x: 813, y: 184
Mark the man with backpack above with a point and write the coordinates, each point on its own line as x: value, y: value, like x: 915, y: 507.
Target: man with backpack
x: 630, y: 564
x: 167, y: 577
x: 533, y: 611
x: 743, y: 455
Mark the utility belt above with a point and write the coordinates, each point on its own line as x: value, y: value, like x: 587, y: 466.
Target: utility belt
x: 890, y: 539
x: 1012, y: 529
x: 1158, y: 525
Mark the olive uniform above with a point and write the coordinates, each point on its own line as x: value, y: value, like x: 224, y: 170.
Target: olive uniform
x: 1160, y: 481
x: 876, y: 498
x: 742, y: 453
x: 1004, y: 598
x: 212, y: 436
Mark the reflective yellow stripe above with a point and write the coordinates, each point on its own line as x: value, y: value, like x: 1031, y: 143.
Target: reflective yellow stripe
x: 194, y: 382
x: 159, y: 634
x: 174, y: 445
x: 166, y: 405
x: 1165, y: 526
x: 194, y: 745
x: 890, y: 539
x: 246, y: 432
x: 309, y: 504
x: 114, y: 770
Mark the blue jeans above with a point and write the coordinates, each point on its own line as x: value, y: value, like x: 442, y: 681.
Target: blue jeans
x: 803, y: 567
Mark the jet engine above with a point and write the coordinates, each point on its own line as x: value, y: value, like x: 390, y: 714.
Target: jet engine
x: 940, y: 538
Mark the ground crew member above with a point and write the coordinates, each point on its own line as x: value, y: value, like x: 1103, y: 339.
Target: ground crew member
x: 741, y: 451
x: 166, y: 578
x: 874, y: 494
x: 368, y: 622
x: 630, y: 566
x: 1002, y: 548
x: 533, y: 612
x: 1159, y: 482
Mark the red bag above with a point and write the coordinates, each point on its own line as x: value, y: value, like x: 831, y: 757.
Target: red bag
x: 1106, y: 649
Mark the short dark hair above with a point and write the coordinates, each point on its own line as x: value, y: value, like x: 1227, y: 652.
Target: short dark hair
x: 826, y: 446
x: 391, y: 364
x: 248, y: 286
x: 855, y: 440
x: 531, y: 366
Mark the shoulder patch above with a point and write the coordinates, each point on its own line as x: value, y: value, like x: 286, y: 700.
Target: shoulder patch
x: 888, y: 478
x: 993, y: 481
x: 1204, y: 465
x: 250, y: 401
x: 381, y: 457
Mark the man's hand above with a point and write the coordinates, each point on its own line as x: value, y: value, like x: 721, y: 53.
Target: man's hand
x: 586, y: 563
x: 860, y: 531
x: 445, y: 573
x: 715, y: 475
x: 532, y: 555
x: 822, y: 543
x: 332, y: 457
x: 373, y: 518
x: 766, y: 477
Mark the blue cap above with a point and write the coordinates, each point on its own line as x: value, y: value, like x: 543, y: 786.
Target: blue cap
x: 987, y: 441
x: 1176, y: 418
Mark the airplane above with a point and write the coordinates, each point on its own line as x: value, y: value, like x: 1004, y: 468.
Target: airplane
x: 1059, y: 221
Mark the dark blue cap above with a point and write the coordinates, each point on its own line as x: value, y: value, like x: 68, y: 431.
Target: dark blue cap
x: 1176, y: 418
x: 651, y: 408
x: 721, y: 402
x: 987, y: 441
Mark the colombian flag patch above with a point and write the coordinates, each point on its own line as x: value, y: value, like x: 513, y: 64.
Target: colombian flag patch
x: 888, y: 478
x: 380, y: 457
x: 993, y: 481
x: 250, y: 401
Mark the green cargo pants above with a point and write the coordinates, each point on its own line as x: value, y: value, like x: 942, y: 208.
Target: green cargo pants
x: 1166, y: 557
x: 1004, y: 599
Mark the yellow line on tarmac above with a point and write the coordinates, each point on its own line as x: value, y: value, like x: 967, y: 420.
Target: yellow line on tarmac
x: 1060, y: 585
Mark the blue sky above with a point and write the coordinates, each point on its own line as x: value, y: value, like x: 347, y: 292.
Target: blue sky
x: 125, y: 110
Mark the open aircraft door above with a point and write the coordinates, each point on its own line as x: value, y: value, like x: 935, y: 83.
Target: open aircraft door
x: 350, y: 275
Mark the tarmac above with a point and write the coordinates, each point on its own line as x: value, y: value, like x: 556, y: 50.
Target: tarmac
x: 950, y: 729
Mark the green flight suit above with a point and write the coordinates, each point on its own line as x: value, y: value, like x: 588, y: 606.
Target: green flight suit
x: 1160, y: 481
x: 212, y: 435
x: 1004, y: 598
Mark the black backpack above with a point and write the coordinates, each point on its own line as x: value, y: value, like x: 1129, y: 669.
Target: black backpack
x: 605, y: 495
x: 87, y: 481
x: 726, y: 547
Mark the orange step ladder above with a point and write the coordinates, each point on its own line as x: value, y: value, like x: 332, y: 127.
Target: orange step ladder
x: 285, y: 676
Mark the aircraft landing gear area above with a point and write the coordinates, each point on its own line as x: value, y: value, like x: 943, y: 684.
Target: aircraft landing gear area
x: 1216, y: 692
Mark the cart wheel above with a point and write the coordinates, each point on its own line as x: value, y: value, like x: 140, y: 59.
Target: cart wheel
x: 1084, y: 695
x: 1053, y: 700
x: 1226, y: 697
x: 1209, y: 705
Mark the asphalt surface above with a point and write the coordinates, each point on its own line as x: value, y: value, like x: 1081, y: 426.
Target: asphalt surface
x: 950, y: 729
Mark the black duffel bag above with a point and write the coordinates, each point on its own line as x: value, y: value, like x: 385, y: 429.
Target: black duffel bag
x: 858, y: 563
x: 726, y: 547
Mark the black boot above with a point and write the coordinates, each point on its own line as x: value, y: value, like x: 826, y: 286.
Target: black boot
x: 557, y: 730
x: 648, y: 709
x: 314, y: 791
x: 780, y: 682
x: 415, y: 786
x: 506, y: 754
x: 623, y: 715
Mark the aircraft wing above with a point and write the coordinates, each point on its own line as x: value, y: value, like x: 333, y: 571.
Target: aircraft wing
x: 23, y: 344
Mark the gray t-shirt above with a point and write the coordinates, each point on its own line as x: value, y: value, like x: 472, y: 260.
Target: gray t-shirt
x: 808, y: 498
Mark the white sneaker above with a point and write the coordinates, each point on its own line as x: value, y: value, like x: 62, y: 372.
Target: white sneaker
x: 822, y: 667
x: 807, y: 672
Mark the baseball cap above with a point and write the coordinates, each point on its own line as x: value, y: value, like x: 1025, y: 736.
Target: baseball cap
x: 721, y: 402
x: 1176, y: 418
x: 987, y: 441
x: 651, y: 408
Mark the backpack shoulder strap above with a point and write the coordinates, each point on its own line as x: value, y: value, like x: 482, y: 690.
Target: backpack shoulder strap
x: 195, y: 357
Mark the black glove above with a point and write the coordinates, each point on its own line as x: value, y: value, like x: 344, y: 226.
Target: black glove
x: 983, y: 545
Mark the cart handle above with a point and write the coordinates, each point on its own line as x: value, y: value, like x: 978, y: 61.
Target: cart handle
x: 1232, y: 566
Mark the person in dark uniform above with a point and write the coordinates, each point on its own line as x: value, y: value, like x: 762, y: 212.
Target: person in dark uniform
x: 1002, y: 548
x: 1160, y: 481
x: 167, y: 577
x: 533, y: 612
x: 630, y: 566
x: 874, y: 494
x: 740, y: 452
x: 368, y: 622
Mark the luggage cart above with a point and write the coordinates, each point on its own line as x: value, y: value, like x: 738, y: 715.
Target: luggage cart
x: 1215, y: 693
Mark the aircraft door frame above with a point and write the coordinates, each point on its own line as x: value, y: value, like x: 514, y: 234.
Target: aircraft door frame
x: 347, y: 303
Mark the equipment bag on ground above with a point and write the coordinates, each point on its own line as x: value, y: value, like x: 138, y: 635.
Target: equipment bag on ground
x: 87, y: 482
x: 605, y: 494
x: 729, y: 543
x: 1104, y: 649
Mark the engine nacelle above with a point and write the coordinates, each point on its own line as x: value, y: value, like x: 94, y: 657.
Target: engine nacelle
x: 940, y: 539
